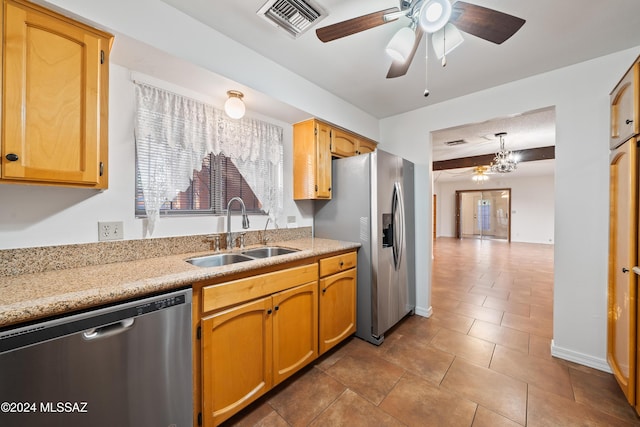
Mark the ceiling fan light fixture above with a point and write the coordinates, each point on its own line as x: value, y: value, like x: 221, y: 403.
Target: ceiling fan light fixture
x: 400, y: 46
x: 434, y: 14
x: 445, y: 40
x: 234, y: 107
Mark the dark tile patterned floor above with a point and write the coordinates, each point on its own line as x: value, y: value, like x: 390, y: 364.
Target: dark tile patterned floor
x: 482, y: 359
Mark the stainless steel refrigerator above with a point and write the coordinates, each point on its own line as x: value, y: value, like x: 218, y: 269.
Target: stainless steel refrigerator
x: 373, y: 203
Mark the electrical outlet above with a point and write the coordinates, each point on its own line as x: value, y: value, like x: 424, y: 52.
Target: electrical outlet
x: 112, y: 230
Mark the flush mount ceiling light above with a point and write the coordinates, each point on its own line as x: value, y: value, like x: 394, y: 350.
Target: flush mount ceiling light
x: 401, y: 44
x: 504, y: 161
x: 434, y: 14
x: 234, y: 107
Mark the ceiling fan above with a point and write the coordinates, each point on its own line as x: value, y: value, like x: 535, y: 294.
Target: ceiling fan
x: 438, y: 18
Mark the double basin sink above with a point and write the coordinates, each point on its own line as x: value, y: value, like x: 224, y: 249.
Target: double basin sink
x: 218, y: 260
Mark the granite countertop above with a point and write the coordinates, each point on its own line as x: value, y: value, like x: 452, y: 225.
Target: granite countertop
x: 34, y: 296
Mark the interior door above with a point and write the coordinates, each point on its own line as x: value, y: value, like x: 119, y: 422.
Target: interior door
x: 622, y: 311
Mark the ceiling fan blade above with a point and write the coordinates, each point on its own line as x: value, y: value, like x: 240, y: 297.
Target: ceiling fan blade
x: 485, y: 23
x: 354, y: 25
x: 399, y: 68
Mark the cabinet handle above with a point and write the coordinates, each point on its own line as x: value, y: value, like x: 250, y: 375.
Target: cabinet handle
x: 629, y: 121
x: 12, y: 157
x: 625, y: 270
x: 341, y: 264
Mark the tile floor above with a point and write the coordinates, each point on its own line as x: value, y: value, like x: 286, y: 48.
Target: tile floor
x: 482, y: 359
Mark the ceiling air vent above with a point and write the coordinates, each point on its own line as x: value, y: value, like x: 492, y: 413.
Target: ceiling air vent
x: 454, y: 143
x: 293, y: 16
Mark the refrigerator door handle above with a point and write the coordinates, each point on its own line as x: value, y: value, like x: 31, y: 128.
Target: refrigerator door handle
x: 397, y: 215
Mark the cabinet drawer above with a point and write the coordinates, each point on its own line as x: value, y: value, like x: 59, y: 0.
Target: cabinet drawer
x: 338, y: 263
x: 625, y: 102
x: 242, y: 290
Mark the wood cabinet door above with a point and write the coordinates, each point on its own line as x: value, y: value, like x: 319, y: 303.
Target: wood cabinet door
x: 323, y: 161
x: 344, y: 144
x: 624, y: 108
x: 622, y: 308
x: 236, y: 359
x: 366, y: 146
x: 51, y: 101
x: 337, y: 305
x: 295, y: 329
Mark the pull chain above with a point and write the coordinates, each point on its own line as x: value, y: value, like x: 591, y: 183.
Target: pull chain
x: 444, y: 46
x: 426, y: 66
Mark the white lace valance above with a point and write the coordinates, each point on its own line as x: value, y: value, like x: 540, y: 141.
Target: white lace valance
x: 175, y: 133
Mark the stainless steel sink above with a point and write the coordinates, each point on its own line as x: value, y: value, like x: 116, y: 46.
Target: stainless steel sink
x: 268, y: 251
x: 218, y: 260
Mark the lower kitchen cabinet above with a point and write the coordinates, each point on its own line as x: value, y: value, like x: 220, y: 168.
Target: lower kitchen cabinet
x: 251, y: 346
x: 257, y: 331
x: 337, y: 300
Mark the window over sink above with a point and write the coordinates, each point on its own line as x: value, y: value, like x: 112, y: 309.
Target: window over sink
x: 191, y: 158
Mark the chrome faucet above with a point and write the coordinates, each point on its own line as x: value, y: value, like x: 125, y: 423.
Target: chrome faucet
x: 245, y: 220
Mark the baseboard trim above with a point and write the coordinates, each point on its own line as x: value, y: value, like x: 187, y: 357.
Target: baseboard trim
x: 581, y: 358
x: 424, y: 312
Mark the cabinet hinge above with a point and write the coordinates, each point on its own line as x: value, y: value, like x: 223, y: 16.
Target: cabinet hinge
x: 199, y: 332
x: 101, y: 168
x: 315, y: 131
x: 199, y: 418
x: 316, y: 187
x: 102, y: 56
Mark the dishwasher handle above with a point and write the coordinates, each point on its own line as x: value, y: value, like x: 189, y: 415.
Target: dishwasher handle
x: 108, y: 330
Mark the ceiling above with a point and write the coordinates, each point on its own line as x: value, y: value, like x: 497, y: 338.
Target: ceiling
x: 556, y: 34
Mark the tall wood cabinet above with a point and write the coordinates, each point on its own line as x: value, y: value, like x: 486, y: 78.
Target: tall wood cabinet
x: 315, y: 143
x: 55, y: 98
x: 622, y: 297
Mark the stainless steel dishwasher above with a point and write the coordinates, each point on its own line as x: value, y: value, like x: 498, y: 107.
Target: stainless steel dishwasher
x: 124, y: 365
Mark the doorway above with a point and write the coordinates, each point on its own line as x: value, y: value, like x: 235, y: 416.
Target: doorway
x: 483, y: 214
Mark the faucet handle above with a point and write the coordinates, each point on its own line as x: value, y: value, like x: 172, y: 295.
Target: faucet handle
x: 242, y: 240
x: 214, y: 240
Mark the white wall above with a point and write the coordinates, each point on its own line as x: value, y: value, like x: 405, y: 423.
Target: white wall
x: 580, y: 94
x: 43, y: 216
x: 532, y: 206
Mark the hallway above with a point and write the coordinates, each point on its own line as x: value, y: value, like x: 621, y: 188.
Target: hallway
x: 482, y: 359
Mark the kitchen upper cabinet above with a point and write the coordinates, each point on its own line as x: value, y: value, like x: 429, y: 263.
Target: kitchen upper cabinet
x: 315, y: 143
x: 311, y: 160
x: 625, y: 107
x: 55, y: 101
x: 347, y: 144
x: 337, y: 300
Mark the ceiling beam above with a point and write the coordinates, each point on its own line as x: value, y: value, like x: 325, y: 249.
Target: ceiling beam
x: 528, y: 155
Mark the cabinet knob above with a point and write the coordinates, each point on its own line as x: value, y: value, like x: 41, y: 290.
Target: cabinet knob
x: 269, y: 311
x: 625, y: 270
x: 276, y: 308
x: 12, y: 157
x: 324, y: 290
x: 628, y: 121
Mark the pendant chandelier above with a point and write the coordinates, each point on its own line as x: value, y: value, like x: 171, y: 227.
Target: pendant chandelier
x: 479, y: 174
x: 504, y: 161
